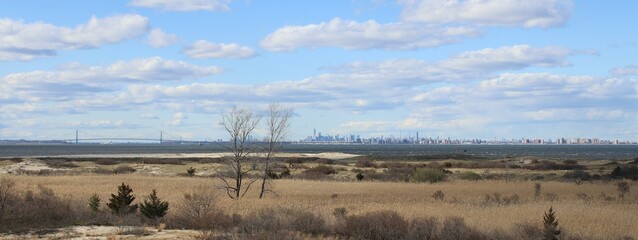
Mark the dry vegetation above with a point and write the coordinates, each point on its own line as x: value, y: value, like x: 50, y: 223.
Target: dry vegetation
x: 504, y: 207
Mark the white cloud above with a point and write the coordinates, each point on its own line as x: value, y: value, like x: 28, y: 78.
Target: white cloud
x: 158, y: 38
x: 178, y: 119
x: 537, y: 13
x: 26, y: 41
x: 630, y: 69
x: 75, y: 80
x: 100, y: 124
x: 530, y: 96
x: 184, y: 5
x: 364, y: 35
x: 148, y: 116
x: 203, y: 50
x: 511, y: 57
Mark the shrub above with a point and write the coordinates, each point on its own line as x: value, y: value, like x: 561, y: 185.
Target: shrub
x: 359, y: 176
x: 190, y: 171
x: 340, y: 213
x: 42, y: 209
x: 550, y: 226
x: 6, y: 194
x: 105, y: 161
x: 121, y: 203
x: 570, y: 162
x: 376, y: 226
x: 364, y: 163
x: 94, y: 203
x: 584, y: 197
x: 197, y: 210
x: 623, y: 189
x: 422, y: 229
x: 455, y: 228
x: 323, y: 169
x: 101, y: 170
x: 438, y: 195
x: 537, y: 190
x: 428, y: 175
x: 496, y: 198
x: 123, y: 169
x: 469, y: 175
x: 60, y: 164
x: 270, y: 220
x: 285, y: 173
x: 153, y: 207
x: 325, y: 161
x: 577, y: 175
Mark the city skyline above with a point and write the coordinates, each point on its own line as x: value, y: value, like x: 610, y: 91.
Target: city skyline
x: 488, y: 69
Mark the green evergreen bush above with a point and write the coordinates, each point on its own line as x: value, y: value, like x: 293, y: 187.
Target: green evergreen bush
x: 550, y: 226
x: 153, y: 207
x: 121, y: 203
x: 94, y: 203
x: 190, y: 171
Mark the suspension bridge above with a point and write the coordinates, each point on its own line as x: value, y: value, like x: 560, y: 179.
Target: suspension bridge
x: 163, y: 138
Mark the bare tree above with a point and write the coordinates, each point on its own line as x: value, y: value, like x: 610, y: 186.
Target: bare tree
x: 278, y: 124
x: 239, y: 123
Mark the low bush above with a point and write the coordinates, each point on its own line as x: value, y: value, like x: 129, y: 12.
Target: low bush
x: 438, y: 195
x: 101, y: 170
x: 577, y: 175
x: 172, y: 161
x: 105, y: 161
x: 549, y: 165
x: 428, y: 175
x: 497, y: 199
x: 365, y: 163
x: 198, y: 210
x: 376, y: 226
x: 469, y: 175
x: 455, y: 228
x: 628, y: 172
x: 325, y: 161
x: 42, y: 209
x: 123, y: 169
x: 60, y: 163
x: 323, y: 169
x: 279, y: 220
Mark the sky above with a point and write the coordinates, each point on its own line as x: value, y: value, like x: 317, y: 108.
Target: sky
x: 487, y: 69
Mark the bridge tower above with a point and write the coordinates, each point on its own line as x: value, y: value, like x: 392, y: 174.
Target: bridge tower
x: 161, y: 133
x: 76, y: 136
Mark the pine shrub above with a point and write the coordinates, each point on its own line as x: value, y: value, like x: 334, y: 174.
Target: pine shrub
x: 550, y: 226
x: 94, y: 203
x: 153, y: 207
x: 190, y: 171
x: 121, y: 203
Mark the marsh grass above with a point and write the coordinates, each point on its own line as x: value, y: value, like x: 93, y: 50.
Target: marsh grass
x: 596, y: 218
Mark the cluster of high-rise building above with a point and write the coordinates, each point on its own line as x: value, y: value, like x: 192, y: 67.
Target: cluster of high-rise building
x: 318, y: 138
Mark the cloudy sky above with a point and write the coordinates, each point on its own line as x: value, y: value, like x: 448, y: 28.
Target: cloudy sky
x: 449, y: 68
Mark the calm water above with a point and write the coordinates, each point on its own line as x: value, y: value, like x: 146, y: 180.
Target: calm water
x: 553, y: 151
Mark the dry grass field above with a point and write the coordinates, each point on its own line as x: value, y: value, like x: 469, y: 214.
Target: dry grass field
x: 581, y: 209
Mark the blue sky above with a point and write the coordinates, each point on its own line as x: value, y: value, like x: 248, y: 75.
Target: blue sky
x: 448, y: 68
